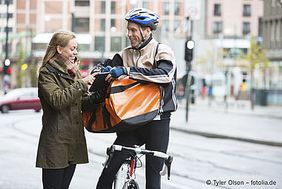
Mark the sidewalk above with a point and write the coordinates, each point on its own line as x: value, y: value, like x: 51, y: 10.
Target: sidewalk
x: 263, y: 125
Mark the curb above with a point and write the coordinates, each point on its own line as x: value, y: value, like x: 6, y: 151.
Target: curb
x: 213, y: 135
x: 244, y: 113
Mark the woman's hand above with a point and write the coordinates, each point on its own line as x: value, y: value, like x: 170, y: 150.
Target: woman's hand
x: 89, y: 79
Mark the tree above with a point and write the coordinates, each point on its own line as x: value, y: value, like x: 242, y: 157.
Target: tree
x: 256, y: 56
x: 33, y: 73
x: 20, y: 60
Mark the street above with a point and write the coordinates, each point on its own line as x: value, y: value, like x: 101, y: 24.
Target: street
x: 221, y: 60
x: 199, y: 162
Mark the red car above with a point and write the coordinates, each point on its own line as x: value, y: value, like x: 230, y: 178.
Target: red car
x: 20, y: 99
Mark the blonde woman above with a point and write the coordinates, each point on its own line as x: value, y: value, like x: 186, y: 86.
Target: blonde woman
x: 63, y: 93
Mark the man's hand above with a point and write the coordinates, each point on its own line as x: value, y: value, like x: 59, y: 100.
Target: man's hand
x: 106, y: 69
x: 116, y: 72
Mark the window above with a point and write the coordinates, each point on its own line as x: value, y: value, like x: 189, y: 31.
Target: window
x: 103, y: 7
x: 113, y: 25
x: 39, y: 46
x: 100, y: 43
x: 217, y: 27
x: 277, y: 31
x: 113, y: 7
x: 103, y: 24
x: 3, y: 2
x: 10, y: 15
x: 260, y: 26
x: 81, y: 25
x: 273, y: 3
x: 10, y: 29
x: 217, y: 10
x: 177, y: 26
x: 145, y: 5
x: 83, y: 47
x: 176, y: 8
x: 272, y: 34
x: 246, y: 10
x: 4, y: 15
x: 82, y: 3
x: 246, y: 28
x: 115, y: 44
x: 127, y: 42
x: 280, y: 33
x: 166, y: 8
x: 165, y: 25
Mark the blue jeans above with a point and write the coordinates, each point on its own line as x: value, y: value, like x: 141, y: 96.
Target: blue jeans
x: 155, y: 136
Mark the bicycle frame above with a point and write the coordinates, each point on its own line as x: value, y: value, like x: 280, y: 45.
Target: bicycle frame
x: 129, y: 166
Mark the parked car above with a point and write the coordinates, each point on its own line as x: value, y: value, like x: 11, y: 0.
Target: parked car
x: 20, y: 99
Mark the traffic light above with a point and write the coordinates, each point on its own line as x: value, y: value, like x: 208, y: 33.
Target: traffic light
x: 6, y: 67
x: 189, y: 48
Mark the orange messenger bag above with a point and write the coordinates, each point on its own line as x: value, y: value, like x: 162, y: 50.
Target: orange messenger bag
x: 129, y: 105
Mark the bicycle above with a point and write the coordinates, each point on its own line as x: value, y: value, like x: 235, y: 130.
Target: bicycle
x: 126, y: 177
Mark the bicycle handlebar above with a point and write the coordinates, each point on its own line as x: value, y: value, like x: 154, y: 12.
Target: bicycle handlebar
x: 138, y: 150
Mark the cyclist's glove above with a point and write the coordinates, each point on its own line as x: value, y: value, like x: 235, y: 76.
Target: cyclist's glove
x: 106, y: 69
x: 118, y: 71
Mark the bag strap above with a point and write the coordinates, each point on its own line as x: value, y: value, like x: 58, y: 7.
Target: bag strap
x: 121, y: 88
x: 106, y: 117
x: 157, y: 49
x: 91, y: 121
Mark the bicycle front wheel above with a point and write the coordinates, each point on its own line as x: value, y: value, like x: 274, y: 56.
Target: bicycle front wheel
x: 132, y: 184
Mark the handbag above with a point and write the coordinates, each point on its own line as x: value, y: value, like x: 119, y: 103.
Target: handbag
x: 130, y: 104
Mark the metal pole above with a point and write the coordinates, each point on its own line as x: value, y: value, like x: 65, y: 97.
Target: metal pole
x: 73, y: 22
x: 7, y: 31
x: 187, y: 91
x: 6, y: 77
x: 188, y: 69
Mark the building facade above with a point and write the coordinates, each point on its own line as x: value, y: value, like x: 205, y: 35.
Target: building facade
x: 232, y: 23
x: 99, y: 25
x: 272, y: 40
x: 233, y: 18
x: 229, y: 26
x: 102, y: 20
x: 6, y: 10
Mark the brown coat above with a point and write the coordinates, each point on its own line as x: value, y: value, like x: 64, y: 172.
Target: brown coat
x: 62, y: 140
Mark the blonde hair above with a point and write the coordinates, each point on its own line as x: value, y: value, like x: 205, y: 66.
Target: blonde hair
x: 61, y: 38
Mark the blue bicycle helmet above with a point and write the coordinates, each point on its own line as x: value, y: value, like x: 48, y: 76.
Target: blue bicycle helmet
x: 144, y: 17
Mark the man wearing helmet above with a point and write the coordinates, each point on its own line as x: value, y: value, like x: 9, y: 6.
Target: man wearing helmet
x: 145, y: 60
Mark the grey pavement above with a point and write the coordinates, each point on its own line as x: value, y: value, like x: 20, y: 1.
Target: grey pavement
x: 237, y: 121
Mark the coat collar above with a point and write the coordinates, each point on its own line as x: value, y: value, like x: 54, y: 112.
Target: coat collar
x: 151, y: 44
x: 60, y: 66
